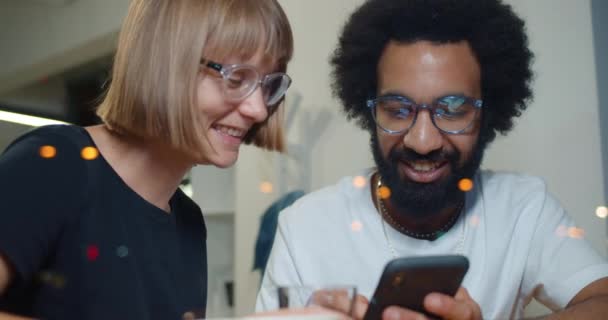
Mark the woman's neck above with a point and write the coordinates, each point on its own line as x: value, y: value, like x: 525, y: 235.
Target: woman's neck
x: 154, y: 171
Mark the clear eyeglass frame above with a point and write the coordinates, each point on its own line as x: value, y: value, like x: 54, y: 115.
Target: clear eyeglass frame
x: 436, y: 109
x: 247, y: 79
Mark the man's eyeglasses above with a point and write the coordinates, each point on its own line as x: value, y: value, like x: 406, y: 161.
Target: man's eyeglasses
x: 451, y: 114
x: 241, y: 80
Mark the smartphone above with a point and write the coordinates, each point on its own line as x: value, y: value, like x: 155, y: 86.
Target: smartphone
x: 406, y: 281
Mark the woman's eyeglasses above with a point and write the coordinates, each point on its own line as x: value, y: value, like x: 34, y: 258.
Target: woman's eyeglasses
x: 241, y: 80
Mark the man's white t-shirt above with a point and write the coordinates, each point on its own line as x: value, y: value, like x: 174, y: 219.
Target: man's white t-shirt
x: 515, y: 235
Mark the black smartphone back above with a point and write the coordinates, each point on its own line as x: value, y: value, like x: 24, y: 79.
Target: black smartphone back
x: 406, y: 281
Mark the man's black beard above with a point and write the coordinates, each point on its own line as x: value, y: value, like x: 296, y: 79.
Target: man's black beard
x: 423, y: 200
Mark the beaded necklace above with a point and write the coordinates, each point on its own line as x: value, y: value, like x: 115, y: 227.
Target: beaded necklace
x: 423, y: 236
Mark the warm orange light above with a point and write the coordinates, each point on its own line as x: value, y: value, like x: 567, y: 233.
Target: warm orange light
x: 384, y: 192
x: 474, y: 220
x: 576, y: 233
x: 189, y: 316
x: 356, y: 226
x: 89, y: 153
x: 48, y: 152
x: 359, y: 182
x: 266, y: 187
x: 602, y: 212
x: 465, y: 185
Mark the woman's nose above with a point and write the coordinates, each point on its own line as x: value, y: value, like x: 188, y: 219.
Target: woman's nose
x: 254, y: 106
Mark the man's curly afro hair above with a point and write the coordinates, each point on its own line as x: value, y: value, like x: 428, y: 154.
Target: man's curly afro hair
x: 494, y: 32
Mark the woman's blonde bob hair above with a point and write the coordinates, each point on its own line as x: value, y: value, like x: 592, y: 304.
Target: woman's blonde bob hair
x: 152, y: 93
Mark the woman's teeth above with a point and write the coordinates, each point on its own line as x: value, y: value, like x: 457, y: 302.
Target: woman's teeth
x: 230, y: 131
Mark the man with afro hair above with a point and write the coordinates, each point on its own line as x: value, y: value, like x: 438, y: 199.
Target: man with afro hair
x: 434, y: 82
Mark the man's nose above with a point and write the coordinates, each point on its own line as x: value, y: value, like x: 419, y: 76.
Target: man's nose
x: 254, y: 106
x: 423, y: 137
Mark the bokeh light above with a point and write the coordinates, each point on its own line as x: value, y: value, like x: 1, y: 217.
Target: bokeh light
x: 47, y: 152
x: 189, y: 316
x: 474, y: 220
x: 576, y: 233
x: 570, y: 232
x: 89, y: 153
x: 52, y: 279
x: 359, y: 182
x: 356, y: 226
x: 122, y: 251
x: 465, y: 185
x: 602, y: 212
x: 92, y: 253
x: 266, y: 187
x: 384, y: 192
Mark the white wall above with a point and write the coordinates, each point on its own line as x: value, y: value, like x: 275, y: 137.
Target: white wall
x: 599, y: 10
x: 557, y: 138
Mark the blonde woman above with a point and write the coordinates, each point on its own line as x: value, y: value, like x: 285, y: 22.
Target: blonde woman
x: 92, y: 223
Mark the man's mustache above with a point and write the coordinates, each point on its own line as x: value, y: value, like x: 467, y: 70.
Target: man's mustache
x: 407, y: 154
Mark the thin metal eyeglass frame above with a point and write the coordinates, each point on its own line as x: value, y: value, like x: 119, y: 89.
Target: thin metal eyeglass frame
x: 371, y: 104
x: 224, y: 70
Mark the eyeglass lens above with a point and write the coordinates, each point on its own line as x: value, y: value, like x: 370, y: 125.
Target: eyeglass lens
x: 242, y: 81
x: 452, y: 114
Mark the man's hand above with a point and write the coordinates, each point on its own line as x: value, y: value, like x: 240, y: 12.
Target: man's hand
x: 459, y: 307
x: 294, y: 312
x: 341, y: 302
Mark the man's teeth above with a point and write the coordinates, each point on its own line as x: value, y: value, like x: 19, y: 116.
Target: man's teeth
x: 423, y: 166
x: 231, y: 131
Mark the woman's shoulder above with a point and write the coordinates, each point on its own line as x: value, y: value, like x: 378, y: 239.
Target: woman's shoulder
x: 55, y: 137
x: 49, y: 155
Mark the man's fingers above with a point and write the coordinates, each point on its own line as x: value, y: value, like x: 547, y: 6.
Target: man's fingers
x: 447, y: 307
x: 459, y: 307
x: 338, y: 300
x: 398, y: 313
x: 462, y: 294
x: 360, y: 307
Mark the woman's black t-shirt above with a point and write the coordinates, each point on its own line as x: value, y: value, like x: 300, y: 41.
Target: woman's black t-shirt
x: 83, y: 245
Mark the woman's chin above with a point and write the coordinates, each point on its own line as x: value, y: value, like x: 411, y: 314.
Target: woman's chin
x: 225, y: 160
x: 225, y: 165
x: 218, y: 158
